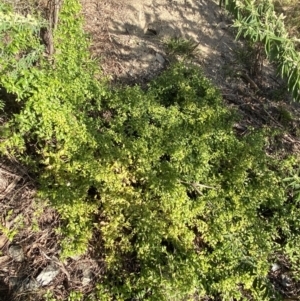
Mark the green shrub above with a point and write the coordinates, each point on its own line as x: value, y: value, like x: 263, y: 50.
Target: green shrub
x: 180, y: 46
x: 184, y: 206
x: 186, y: 200
x: 20, y: 49
x: 51, y: 125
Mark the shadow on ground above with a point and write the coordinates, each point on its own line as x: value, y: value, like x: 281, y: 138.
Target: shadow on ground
x: 129, y: 38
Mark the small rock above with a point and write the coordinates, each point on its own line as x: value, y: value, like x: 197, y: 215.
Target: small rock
x: 87, y: 275
x: 275, y: 267
x: 160, y: 58
x: 31, y: 285
x: 286, y: 280
x: 21, y: 284
x: 48, y: 274
x: 16, y: 252
x: 222, y: 25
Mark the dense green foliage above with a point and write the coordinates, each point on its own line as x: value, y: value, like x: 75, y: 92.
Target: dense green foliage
x: 18, y: 51
x: 184, y: 206
x: 257, y: 20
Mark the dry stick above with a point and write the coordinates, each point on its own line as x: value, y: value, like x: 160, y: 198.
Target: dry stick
x: 289, y: 139
x: 10, y: 188
x: 53, y: 21
x: 250, y: 81
x: 197, y: 185
x: 57, y: 4
x: 17, y: 191
x: 272, y: 118
x: 220, y: 40
x: 7, y: 172
x: 49, y: 31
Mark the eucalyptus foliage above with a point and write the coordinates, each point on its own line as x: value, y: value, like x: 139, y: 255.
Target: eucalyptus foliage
x: 257, y: 20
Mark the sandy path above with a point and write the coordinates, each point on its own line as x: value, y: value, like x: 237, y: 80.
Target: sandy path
x: 129, y: 36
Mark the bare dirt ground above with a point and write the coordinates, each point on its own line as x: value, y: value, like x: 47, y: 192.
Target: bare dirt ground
x: 129, y: 38
x: 29, y: 244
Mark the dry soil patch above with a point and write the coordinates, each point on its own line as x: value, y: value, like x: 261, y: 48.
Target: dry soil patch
x: 129, y: 36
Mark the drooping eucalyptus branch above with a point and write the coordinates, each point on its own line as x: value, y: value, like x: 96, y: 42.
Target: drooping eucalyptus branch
x: 257, y: 20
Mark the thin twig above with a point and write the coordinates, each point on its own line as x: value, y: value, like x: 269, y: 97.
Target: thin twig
x: 197, y: 185
x: 272, y: 118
